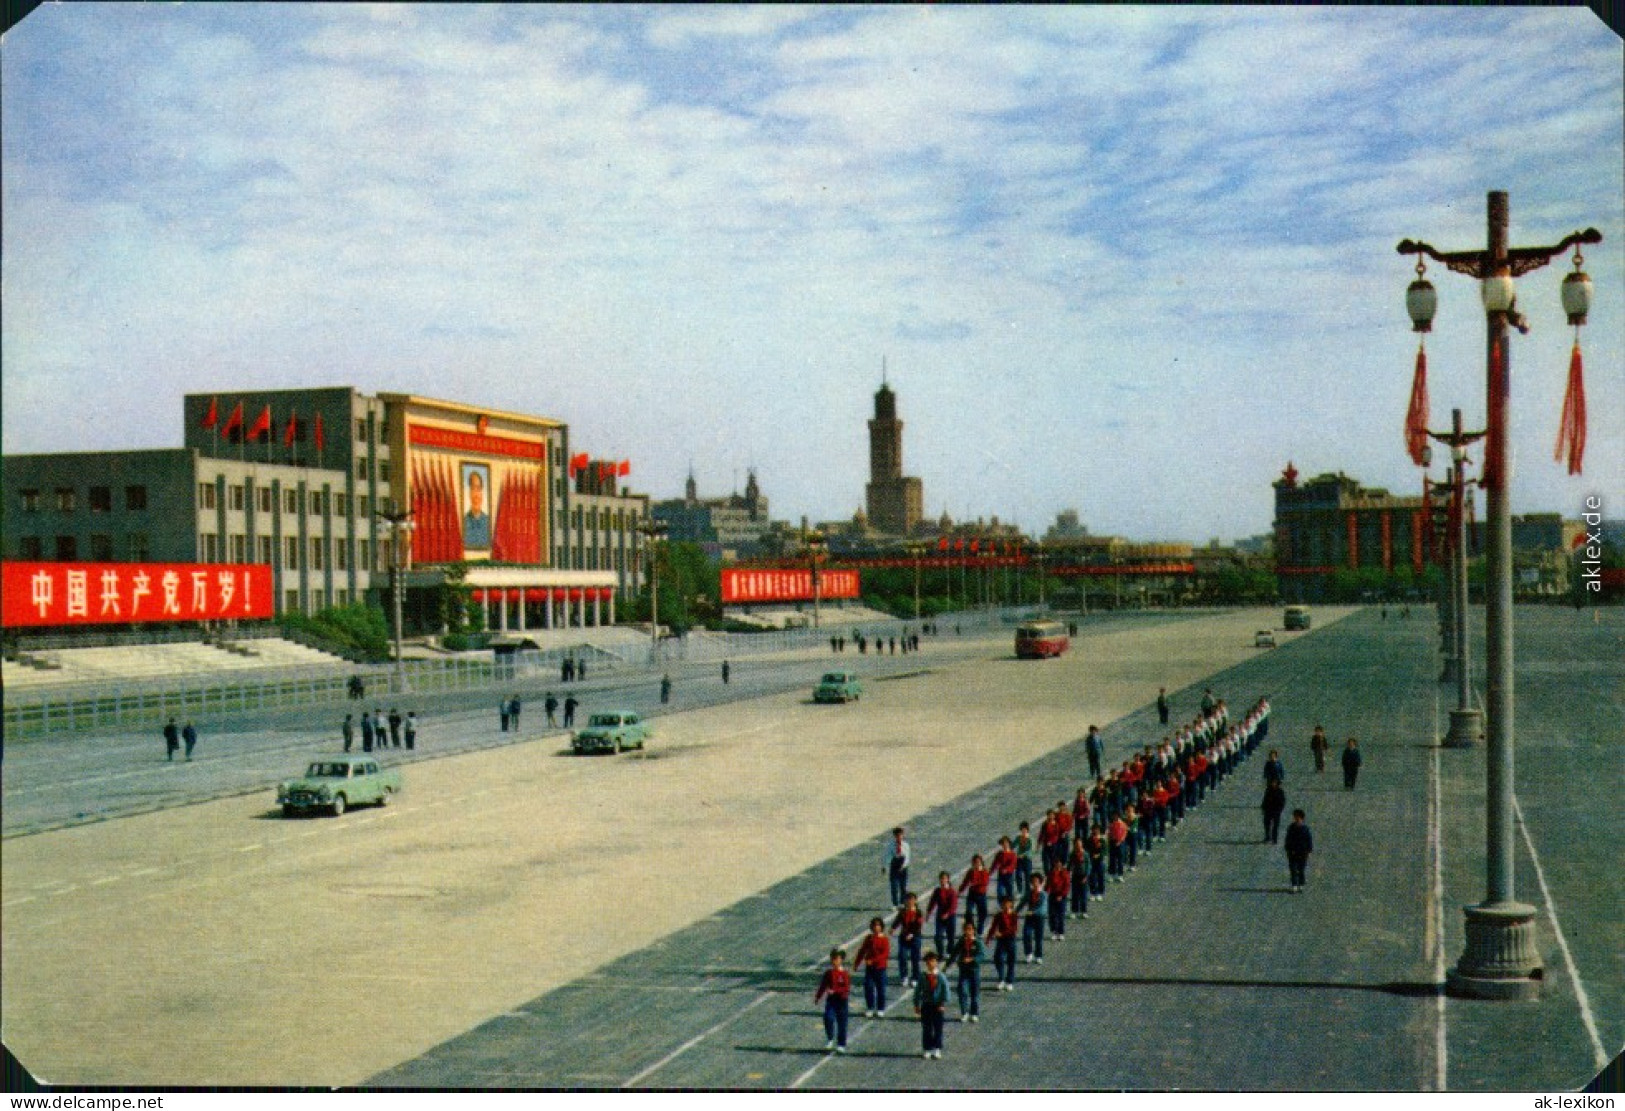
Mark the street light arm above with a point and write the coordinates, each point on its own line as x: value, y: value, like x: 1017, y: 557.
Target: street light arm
x: 1520, y: 260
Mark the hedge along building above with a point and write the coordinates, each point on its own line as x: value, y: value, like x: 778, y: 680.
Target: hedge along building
x: 296, y: 479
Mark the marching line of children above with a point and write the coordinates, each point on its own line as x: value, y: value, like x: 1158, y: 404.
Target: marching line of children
x: 1098, y: 837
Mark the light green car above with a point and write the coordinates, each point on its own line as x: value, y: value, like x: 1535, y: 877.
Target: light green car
x: 838, y: 686
x: 336, y: 784
x: 611, y: 732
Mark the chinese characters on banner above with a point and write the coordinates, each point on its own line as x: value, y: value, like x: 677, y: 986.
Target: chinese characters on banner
x: 45, y: 594
x: 741, y: 585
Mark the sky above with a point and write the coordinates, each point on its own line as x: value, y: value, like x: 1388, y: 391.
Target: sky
x: 1128, y: 261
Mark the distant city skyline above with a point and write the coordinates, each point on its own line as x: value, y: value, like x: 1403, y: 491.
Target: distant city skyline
x: 1125, y: 261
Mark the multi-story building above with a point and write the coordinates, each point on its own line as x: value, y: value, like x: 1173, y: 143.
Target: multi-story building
x: 1332, y: 523
x: 728, y: 528
x: 307, y: 480
x: 894, y: 502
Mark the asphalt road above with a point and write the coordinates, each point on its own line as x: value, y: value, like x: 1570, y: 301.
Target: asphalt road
x: 1202, y: 972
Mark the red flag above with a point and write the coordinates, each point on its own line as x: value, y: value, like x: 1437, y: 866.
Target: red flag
x: 578, y: 463
x: 321, y: 440
x: 1493, y: 476
x: 1416, y: 419
x: 262, y: 425
x: 976, y: 545
x: 1572, y: 432
x: 293, y: 426
x: 212, y: 417
x: 625, y: 468
x: 942, y: 545
x: 235, y: 421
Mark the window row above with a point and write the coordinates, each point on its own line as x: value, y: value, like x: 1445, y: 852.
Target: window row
x: 319, y: 501
x: 98, y: 498
x: 137, y: 548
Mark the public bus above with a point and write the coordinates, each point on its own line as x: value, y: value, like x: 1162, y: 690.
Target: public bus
x: 1036, y: 640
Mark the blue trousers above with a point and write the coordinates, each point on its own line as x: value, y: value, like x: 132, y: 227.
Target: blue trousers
x: 874, y: 988
x: 908, y: 958
x: 945, y: 934
x: 835, y: 1012
x: 1032, y: 936
x: 976, y: 909
x: 931, y: 1026
x: 1004, y: 959
x: 899, y: 885
x: 970, y: 989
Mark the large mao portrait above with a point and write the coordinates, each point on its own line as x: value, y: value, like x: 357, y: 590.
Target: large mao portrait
x: 476, y: 506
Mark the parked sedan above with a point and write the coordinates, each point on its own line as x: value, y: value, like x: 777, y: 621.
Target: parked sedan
x: 838, y: 686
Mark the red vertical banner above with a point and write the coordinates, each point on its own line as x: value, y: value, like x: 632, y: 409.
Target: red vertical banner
x: 1387, y: 540
x: 1418, y: 521
x: 1354, y: 540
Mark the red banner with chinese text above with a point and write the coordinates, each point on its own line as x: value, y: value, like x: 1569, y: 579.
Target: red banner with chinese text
x: 34, y: 595
x: 741, y: 585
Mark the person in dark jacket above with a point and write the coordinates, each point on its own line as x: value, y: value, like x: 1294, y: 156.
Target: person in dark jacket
x: 189, y: 735
x: 172, y: 738
x: 1299, y: 844
x: 1274, y: 806
x: 367, y: 731
x: 1162, y: 704
x: 395, y: 720
x: 930, y: 1003
x: 1351, y: 764
x: 1274, y: 769
x: 1319, y: 745
x: 551, y: 707
x: 349, y: 731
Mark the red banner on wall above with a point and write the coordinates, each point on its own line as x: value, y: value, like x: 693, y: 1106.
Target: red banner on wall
x: 742, y: 585
x: 45, y: 594
x: 428, y: 435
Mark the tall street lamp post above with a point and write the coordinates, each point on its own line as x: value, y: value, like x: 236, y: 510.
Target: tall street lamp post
x: 1039, y: 556
x: 1465, y: 724
x: 817, y: 548
x: 653, y: 533
x: 916, y: 549
x: 400, y: 530
x: 1501, y: 960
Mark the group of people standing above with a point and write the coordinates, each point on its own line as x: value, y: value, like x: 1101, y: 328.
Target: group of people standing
x: 175, y: 735
x: 1038, y: 880
x: 910, y: 642
x: 380, y: 731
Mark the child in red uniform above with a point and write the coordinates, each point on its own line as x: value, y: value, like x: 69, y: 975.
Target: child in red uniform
x: 1116, y: 837
x: 908, y: 925
x: 1036, y: 906
x: 1002, y: 933
x: 942, y: 908
x: 974, y: 888
x: 1079, y: 867
x: 835, y: 989
x: 1060, y: 886
x: 874, y: 956
x: 1004, y: 870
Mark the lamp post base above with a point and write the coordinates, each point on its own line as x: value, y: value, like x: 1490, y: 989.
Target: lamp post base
x: 1500, y: 961
x: 1466, y: 729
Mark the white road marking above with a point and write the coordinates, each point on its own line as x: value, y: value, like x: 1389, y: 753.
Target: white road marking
x: 145, y: 872
x: 105, y: 880
x: 18, y: 901
x: 1600, y: 1056
x: 250, y: 848
x: 697, y: 1039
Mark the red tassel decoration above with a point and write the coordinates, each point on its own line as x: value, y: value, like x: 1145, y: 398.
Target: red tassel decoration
x: 1572, y: 432
x: 1416, y: 419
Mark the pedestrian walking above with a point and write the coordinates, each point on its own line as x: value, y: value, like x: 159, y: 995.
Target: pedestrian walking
x: 564, y: 670
x: 874, y: 958
x: 1162, y: 705
x: 502, y: 714
x: 1001, y: 931
x: 1116, y: 837
x: 1299, y: 844
x: 1024, y: 857
x: 1273, y: 768
x: 581, y: 669
x: 1060, y: 888
x: 570, y: 705
x: 1274, y: 805
x: 665, y: 689
x: 394, y: 727
x: 514, y: 707
x: 550, y: 705
x: 1097, y: 750
x: 410, y: 728
x: 726, y: 671
x: 1319, y: 745
x: 368, y: 731
x: 931, y: 1003
x: 835, y: 989
x: 908, y: 925
x: 1036, y: 907
x: 189, y: 735
x: 943, y: 910
x: 1004, y: 870
x: 348, y: 729
x: 1078, y: 864
x: 1095, y: 846
x: 1351, y: 764
x: 968, y: 954
x: 974, y: 888
x: 172, y: 739
x: 896, y: 866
